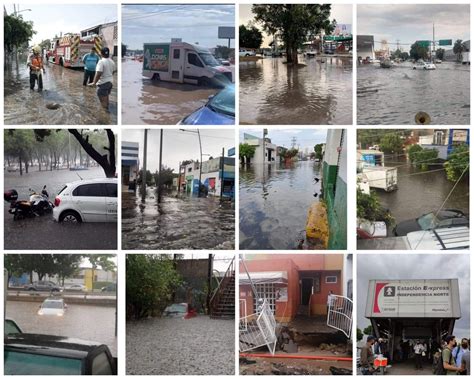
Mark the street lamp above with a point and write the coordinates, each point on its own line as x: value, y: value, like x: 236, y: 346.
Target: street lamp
x: 200, y: 153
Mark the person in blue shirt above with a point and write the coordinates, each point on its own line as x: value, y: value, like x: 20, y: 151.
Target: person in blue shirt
x: 90, y: 61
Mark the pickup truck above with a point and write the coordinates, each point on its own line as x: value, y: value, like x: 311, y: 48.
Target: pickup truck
x: 39, y: 354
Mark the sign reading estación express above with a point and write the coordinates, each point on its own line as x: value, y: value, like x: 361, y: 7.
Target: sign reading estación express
x: 413, y: 298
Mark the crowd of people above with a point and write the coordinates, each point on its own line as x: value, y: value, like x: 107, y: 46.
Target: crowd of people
x: 450, y: 358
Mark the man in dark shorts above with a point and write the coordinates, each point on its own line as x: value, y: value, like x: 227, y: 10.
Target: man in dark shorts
x: 103, y: 78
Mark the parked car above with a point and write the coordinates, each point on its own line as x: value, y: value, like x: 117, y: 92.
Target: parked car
x: 446, y: 218
x: 43, y: 285
x: 109, y: 288
x: 52, y: 307
x: 246, y: 53
x: 219, y: 110
x: 180, y: 310
x: 75, y: 287
x: 39, y: 354
x: 422, y: 65
x: 93, y: 200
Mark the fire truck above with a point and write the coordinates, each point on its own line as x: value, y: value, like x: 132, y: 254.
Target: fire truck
x: 69, y: 50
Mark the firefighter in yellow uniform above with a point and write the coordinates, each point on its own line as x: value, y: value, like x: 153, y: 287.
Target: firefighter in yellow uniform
x: 35, y: 63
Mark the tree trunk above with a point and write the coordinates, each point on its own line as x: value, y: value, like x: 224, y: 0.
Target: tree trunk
x: 21, y: 166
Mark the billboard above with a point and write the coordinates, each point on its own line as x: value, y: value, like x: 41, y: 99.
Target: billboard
x: 342, y: 30
x: 156, y: 57
x: 430, y: 298
x: 226, y: 32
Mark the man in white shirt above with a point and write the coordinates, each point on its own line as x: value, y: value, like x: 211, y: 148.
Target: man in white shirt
x: 103, y: 78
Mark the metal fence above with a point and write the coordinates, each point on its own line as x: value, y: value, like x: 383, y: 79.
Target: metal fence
x: 340, y: 314
x: 258, y: 329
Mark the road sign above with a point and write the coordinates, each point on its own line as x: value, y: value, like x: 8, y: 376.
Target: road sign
x: 226, y: 32
x: 423, y: 43
x: 231, y: 152
x: 445, y: 42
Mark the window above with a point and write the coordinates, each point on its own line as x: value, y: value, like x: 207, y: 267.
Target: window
x: 25, y: 364
x: 93, y: 190
x: 331, y: 279
x: 101, y: 365
x: 265, y: 291
x: 194, y: 60
x: 111, y: 189
x: 176, y: 53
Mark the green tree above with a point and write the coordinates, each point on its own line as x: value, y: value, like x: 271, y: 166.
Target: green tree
x: 18, y: 145
x: 17, y: 32
x: 151, y: 281
x: 246, y: 152
x: 104, y: 261
x: 223, y: 52
x: 318, y: 150
x: 360, y: 335
x: 421, y: 157
x: 457, y: 163
x: 294, y: 24
x: 167, y: 176
x: 66, y: 265
x: 124, y: 50
x: 418, y: 51
x: 369, y: 208
x: 391, y: 144
x: 250, y: 37
x: 458, y: 49
x: 289, y: 153
x: 440, y: 53
x: 368, y: 330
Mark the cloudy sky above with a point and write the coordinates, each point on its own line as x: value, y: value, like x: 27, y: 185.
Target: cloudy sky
x: 415, y: 266
x: 52, y: 19
x: 305, y: 138
x: 179, y: 146
x: 159, y: 23
x: 342, y: 13
x: 408, y: 23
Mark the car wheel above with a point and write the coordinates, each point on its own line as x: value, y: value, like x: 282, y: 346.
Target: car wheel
x: 70, y: 217
x: 204, y: 81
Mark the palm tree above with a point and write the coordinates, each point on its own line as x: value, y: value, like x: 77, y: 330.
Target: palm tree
x: 458, y: 48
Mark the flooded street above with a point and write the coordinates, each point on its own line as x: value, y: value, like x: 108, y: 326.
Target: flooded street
x: 423, y: 193
x: 274, y: 208
x: 176, y: 223
x: 272, y: 92
x: 43, y: 232
x: 173, y: 346
x: 146, y: 101
x: 396, y: 95
x: 78, y: 105
x: 87, y: 322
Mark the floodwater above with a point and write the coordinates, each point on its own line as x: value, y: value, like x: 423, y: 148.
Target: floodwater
x: 87, y: 322
x: 423, y: 193
x: 43, y: 232
x: 272, y: 92
x: 177, y: 223
x: 394, y: 96
x: 173, y: 346
x: 78, y: 105
x: 146, y: 101
x: 274, y: 207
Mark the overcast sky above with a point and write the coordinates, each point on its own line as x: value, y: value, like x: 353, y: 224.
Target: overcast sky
x: 179, y: 146
x: 159, y: 23
x: 52, y: 19
x: 342, y: 13
x: 409, y: 23
x: 415, y: 266
x: 282, y: 137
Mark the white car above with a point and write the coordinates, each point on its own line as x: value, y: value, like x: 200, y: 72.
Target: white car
x: 52, y: 307
x: 93, y: 200
x: 246, y: 53
x: 75, y: 287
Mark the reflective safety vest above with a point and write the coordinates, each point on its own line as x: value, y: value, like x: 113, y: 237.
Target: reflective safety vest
x: 36, y: 63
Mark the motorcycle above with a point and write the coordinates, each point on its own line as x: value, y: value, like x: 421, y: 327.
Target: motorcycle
x: 37, y: 205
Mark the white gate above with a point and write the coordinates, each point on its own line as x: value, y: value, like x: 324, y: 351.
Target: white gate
x: 340, y: 314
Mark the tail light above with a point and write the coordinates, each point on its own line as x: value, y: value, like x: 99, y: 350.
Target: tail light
x: 57, y: 201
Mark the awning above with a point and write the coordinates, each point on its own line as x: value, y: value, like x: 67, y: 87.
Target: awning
x: 267, y: 277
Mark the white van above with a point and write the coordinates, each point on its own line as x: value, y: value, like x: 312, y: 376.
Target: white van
x: 182, y: 62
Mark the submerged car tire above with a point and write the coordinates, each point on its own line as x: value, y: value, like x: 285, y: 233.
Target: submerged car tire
x: 204, y: 81
x: 70, y: 217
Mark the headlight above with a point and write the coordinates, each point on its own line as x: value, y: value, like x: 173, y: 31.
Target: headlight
x: 40, y: 312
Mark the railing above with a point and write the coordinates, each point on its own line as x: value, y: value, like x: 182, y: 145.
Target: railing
x: 222, y: 284
x: 258, y: 329
x: 340, y: 314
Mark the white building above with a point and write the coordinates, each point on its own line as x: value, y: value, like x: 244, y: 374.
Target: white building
x: 130, y: 164
x: 265, y: 150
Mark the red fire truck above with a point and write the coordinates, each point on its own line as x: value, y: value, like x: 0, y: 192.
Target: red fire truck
x: 69, y: 50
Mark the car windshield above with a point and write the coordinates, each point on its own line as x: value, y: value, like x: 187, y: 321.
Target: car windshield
x: 176, y: 308
x: 209, y: 60
x: 53, y: 304
x: 428, y: 221
x: 34, y: 364
x: 224, y: 101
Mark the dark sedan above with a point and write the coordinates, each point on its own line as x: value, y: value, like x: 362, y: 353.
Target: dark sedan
x: 446, y: 218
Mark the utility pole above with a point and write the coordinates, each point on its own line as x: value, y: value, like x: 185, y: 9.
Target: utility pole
x: 222, y: 175
x: 200, y: 163
x: 144, y: 165
x: 293, y: 142
x: 159, y: 169
x: 179, y: 178
x: 209, y: 282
